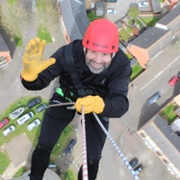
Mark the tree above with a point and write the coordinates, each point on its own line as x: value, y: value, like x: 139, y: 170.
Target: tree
x: 14, y: 19
x: 133, y: 12
x: 135, y: 31
x: 48, y: 17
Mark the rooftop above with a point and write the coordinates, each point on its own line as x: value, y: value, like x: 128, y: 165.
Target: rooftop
x: 74, y: 18
x: 149, y: 37
x: 169, y: 143
x: 169, y: 17
x: 3, y: 46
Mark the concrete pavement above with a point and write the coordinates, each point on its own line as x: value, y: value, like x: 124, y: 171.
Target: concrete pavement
x: 11, y: 88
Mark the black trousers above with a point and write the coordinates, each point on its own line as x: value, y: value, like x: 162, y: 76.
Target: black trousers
x: 54, y: 122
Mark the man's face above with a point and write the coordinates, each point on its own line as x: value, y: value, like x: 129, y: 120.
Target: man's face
x: 97, y: 61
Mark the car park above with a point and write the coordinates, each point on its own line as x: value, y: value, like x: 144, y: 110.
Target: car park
x: 41, y: 107
x: 138, y: 169
x: 9, y: 130
x: 70, y: 147
x: 4, y: 122
x: 154, y: 98
x: 34, y: 102
x: 110, y: 11
x: 173, y: 80
x: 25, y: 118
x: 133, y: 163
x: 33, y: 124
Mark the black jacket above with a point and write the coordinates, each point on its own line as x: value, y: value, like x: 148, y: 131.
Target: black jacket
x: 111, y: 84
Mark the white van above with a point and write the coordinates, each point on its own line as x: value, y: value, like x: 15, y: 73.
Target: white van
x: 25, y: 118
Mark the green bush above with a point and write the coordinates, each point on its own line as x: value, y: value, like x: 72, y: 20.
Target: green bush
x: 168, y: 113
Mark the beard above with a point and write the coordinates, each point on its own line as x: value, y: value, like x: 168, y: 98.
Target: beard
x: 96, y: 68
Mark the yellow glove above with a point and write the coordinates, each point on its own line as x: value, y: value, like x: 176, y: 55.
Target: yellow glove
x: 32, y: 59
x: 90, y: 103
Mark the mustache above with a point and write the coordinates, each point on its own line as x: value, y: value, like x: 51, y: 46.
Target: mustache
x: 93, y: 61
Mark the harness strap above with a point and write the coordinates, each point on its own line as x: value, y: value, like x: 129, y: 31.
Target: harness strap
x: 68, y: 55
x: 81, y: 90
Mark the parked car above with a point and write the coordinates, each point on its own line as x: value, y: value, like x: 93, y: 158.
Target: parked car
x: 16, y: 113
x: 173, y: 80
x: 138, y: 169
x: 178, y: 74
x: 34, y: 102
x: 33, y: 124
x: 41, y: 107
x: 4, y: 122
x: 70, y: 147
x: 143, y: 4
x: 25, y: 118
x: 110, y: 11
x: 9, y: 130
x: 154, y: 98
x: 133, y: 163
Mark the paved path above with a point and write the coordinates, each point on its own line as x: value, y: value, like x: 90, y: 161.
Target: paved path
x: 11, y: 88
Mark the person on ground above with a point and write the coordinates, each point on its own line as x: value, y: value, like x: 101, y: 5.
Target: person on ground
x: 103, y: 72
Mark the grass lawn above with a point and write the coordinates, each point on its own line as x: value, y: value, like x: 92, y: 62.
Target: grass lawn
x: 124, y: 35
x: 62, y: 143
x: 168, y: 113
x: 4, y: 162
x: 92, y: 16
x: 20, y: 129
x: 33, y: 135
x: 136, y: 70
x: 44, y: 35
x: 139, y: 23
x: 20, y: 172
x: 18, y: 41
x: 150, y: 21
x: 12, y: 1
x: 70, y: 175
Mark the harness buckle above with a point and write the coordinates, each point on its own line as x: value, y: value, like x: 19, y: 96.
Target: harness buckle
x: 82, y: 92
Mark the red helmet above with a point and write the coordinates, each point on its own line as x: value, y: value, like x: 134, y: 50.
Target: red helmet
x: 101, y: 35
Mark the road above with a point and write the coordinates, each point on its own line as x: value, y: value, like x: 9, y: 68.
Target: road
x: 160, y: 70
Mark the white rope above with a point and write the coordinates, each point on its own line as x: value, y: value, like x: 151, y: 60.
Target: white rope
x: 84, y: 150
x: 116, y: 148
x: 84, y: 153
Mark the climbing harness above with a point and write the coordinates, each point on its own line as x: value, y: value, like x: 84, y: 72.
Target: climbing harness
x: 82, y: 92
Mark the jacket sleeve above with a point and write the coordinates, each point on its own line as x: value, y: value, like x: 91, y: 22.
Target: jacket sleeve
x: 49, y: 74
x: 116, y: 103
